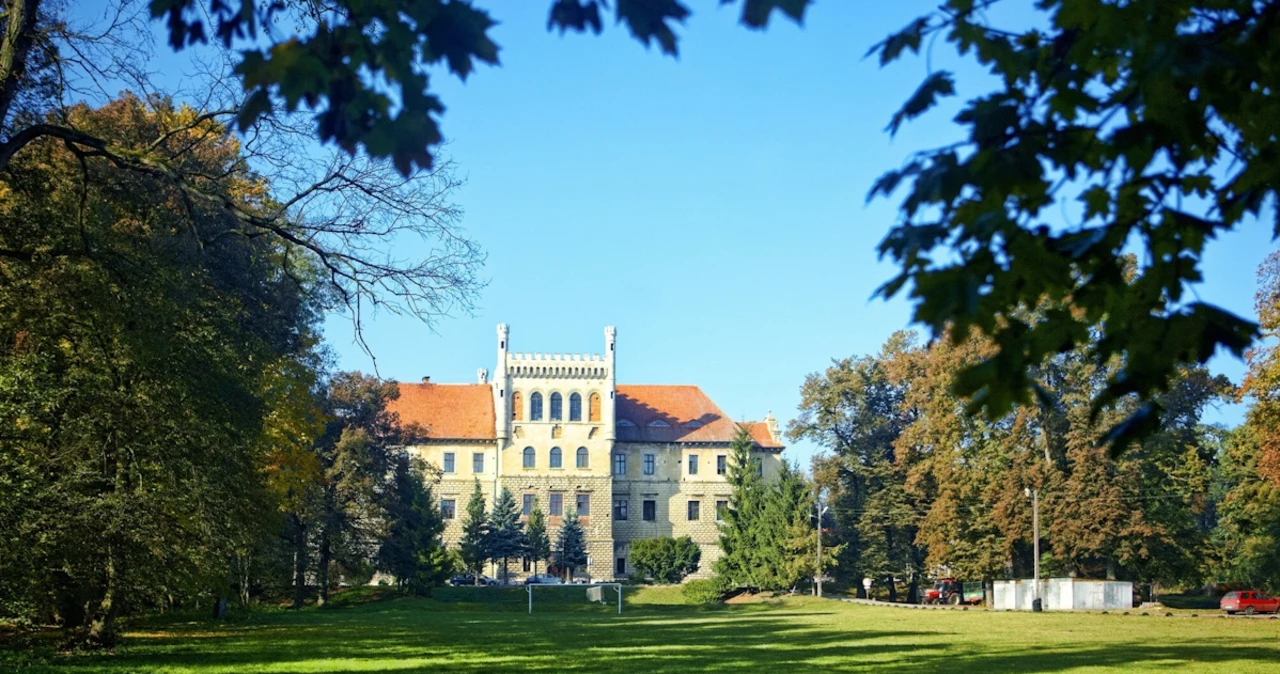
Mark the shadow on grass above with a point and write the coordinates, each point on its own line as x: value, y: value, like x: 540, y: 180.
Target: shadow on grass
x: 406, y: 635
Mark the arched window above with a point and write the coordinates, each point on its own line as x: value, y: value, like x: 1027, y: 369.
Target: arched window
x: 517, y: 406
x: 556, y: 404
x: 556, y: 457
x: 535, y: 407
x: 529, y: 457
x: 593, y: 407
x: 575, y: 407
x: 583, y: 461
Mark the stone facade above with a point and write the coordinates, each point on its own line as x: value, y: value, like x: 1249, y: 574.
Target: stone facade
x: 556, y: 428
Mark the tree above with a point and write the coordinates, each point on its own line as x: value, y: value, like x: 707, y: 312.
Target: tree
x: 741, y: 526
x: 665, y: 559
x: 787, y: 527
x: 412, y: 550
x: 505, y: 537
x: 571, y: 549
x: 1154, y: 118
x: 475, y: 535
x: 140, y: 345
x: 1262, y: 381
x: 537, y: 542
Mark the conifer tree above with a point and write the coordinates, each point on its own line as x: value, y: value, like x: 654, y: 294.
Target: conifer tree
x: 505, y: 537
x: 411, y: 550
x: 537, y: 542
x: 740, y: 527
x: 787, y: 531
x: 474, y: 546
x: 571, y: 553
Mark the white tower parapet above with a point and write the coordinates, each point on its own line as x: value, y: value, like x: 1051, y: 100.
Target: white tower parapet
x: 501, y: 386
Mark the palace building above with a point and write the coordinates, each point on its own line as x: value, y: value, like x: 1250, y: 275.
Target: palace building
x: 635, y: 461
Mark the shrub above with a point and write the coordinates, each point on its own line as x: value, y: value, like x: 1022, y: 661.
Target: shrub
x: 703, y: 592
x: 665, y: 559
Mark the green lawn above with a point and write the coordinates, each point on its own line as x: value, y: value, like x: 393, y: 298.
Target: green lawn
x: 484, y: 630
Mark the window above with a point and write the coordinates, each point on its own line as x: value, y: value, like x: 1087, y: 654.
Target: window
x: 583, y: 459
x: 556, y: 403
x: 720, y: 467
x: 477, y: 463
x: 575, y: 407
x: 557, y: 504
x: 620, y: 567
x: 695, y: 509
x: 759, y: 464
x: 448, y: 462
x: 619, y: 464
x: 448, y: 509
x: 721, y: 506
x: 535, y: 407
x: 625, y: 423
x: 517, y: 406
x: 593, y: 407
x: 658, y: 423
x: 557, y: 457
x: 649, y: 510
x: 530, y: 458
x: 527, y: 564
x: 529, y: 500
x: 584, y: 504
x: 692, y: 423
x: 693, y: 464
x: 620, y: 509
x: 649, y: 462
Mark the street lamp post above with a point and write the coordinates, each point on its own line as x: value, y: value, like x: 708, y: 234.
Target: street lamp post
x: 1035, y: 539
x: 821, y: 510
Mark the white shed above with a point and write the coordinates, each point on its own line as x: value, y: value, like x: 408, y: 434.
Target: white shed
x: 1063, y: 594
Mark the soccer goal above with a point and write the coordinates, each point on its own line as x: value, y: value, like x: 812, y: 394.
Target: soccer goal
x: 596, y: 593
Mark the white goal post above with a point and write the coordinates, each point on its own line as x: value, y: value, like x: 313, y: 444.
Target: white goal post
x: 595, y: 592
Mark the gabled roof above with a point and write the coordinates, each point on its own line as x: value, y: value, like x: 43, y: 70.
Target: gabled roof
x: 447, y: 411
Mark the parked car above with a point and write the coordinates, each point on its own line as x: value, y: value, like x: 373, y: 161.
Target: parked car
x: 466, y: 580
x: 542, y: 579
x: 1249, y: 602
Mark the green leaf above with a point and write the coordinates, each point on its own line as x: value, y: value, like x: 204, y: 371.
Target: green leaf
x: 926, y: 96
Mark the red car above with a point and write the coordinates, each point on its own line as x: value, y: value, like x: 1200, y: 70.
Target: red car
x: 1249, y: 602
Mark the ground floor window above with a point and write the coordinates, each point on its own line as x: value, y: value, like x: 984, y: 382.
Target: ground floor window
x: 447, y: 508
x: 721, y: 506
x: 695, y: 509
x: 557, y: 505
x: 620, y: 509
x: 620, y: 567
x: 527, y: 565
x: 650, y: 513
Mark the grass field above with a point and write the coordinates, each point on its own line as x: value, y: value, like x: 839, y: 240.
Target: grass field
x: 482, y: 630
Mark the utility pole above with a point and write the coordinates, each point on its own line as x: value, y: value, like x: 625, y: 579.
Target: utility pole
x: 1035, y: 537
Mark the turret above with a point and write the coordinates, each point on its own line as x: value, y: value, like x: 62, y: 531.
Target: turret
x: 610, y: 354
x: 501, y: 387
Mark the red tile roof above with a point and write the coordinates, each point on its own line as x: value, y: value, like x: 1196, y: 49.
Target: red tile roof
x: 447, y: 411
x: 760, y: 433
x: 656, y: 412
x: 674, y: 413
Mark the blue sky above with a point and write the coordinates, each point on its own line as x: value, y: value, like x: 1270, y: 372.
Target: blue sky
x: 711, y: 207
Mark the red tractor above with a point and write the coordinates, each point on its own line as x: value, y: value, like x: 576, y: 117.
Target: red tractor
x: 952, y: 591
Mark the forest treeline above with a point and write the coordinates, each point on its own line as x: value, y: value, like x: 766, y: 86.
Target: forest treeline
x: 918, y: 485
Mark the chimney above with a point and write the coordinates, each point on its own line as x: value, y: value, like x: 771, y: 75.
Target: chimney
x: 772, y: 424
x: 426, y: 379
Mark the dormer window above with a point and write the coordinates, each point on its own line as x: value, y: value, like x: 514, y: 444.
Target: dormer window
x: 626, y: 423
x: 692, y: 424
x: 658, y: 423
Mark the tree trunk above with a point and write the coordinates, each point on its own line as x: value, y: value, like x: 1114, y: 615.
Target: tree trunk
x: 893, y: 589
x: 102, y: 628
x: 1111, y: 568
x: 322, y: 571
x: 299, y: 561
x: 913, y: 590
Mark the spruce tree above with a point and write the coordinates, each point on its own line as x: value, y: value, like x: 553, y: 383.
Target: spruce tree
x: 537, y: 542
x: 740, y: 528
x: 505, y: 536
x: 474, y: 546
x: 572, y: 550
x: 785, y: 553
x: 412, y: 551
